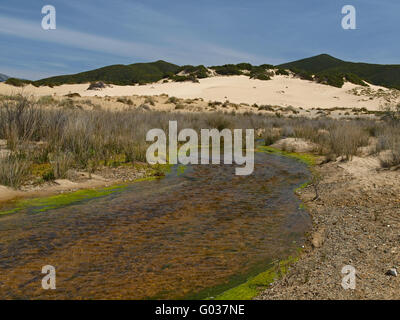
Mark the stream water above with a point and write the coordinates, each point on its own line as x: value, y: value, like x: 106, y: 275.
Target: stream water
x: 168, y: 238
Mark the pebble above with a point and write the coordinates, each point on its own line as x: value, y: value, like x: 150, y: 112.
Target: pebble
x: 392, y: 272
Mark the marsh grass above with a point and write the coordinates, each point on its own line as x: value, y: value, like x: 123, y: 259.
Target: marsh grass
x: 71, y: 138
x: 389, y: 140
x: 14, y: 171
x: 345, y: 139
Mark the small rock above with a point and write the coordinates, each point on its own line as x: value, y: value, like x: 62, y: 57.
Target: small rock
x: 392, y: 272
x: 321, y: 160
x: 318, y: 238
x: 97, y: 85
x: 72, y: 95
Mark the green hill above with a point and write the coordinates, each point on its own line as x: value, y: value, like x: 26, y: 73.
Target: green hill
x: 322, y: 68
x: 117, y: 74
x: 324, y: 64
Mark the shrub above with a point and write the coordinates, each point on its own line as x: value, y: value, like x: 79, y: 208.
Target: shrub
x: 219, y: 122
x: 305, y: 75
x: 73, y: 95
x: 14, y: 171
x: 60, y: 164
x: 199, y: 72
x: 282, y: 72
x: 244, y: 66
x: 227, y: 70
x: 189, y: 77
x: 214, y: 103
x: 260, y: 73
x: 144, y: 107
x: 150, y: 100
x: 287, y: 131
x: 134, y: 151
x: 266, y: 108
x: 392, y: 113
x: 125, y: 101
x: 261, y: 76
x: 353, y: 78
x: 389, y: 139
x: 46, y: 100
x: 270, y: 136
x: 17, y: 82
x: 173, y: 100
x: 266, y: 66
x: 331, y: 79
x: 345, y: 139
x: 18, y: 120
x: 67, y: 103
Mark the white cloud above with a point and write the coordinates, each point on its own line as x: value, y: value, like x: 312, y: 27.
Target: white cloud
x: 67, y: 37
x: 179, y: 52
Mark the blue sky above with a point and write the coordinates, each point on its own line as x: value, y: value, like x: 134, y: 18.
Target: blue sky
x: 95, y: 33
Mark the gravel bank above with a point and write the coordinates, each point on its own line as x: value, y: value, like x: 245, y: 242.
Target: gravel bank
x: 356, y: 222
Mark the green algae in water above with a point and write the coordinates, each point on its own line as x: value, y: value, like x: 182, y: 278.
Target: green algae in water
x: 248, y: 285
x: 44, y: 204
x: 244, y: 286
x: 37, y: 205
x: 255, y: 285
x: 306, y: 158
x: 180, y: 169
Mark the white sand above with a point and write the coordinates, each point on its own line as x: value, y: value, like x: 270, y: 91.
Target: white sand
x: 281, y: 90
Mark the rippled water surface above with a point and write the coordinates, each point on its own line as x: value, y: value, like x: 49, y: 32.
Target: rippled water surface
x: 167, y: 238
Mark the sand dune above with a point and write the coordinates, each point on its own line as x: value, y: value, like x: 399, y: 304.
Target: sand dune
x: 281, y: 90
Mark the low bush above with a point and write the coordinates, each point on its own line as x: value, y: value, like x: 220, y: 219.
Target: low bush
x: 282, y: 72
x: 125, y: 100
x: 14, y: 171
x: 227, y: 70
x: 345, y: 139
x: 17, y: 82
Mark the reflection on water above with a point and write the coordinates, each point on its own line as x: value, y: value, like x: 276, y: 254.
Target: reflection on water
x: 158, y: 239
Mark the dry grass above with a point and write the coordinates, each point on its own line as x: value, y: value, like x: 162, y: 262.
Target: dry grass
x: 67, y: 137
x: 389, y: 140
x: 14, y: 171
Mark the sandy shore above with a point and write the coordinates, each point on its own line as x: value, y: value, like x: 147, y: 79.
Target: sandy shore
x: 281, y: 90
x: 355, y: 222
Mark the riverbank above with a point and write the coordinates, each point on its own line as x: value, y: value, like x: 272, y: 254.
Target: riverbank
x: 355, y: 222
x: 81, y: 186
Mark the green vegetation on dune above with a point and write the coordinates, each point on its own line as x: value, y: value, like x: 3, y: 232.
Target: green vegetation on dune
x: 199, y: 72
x: 260, y: 72
x: 227, y: 70
x: 330, y: 68
x: 117, y: 74
x: 322, y: 68
x: 314, y: 64
x: 17, y: 82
